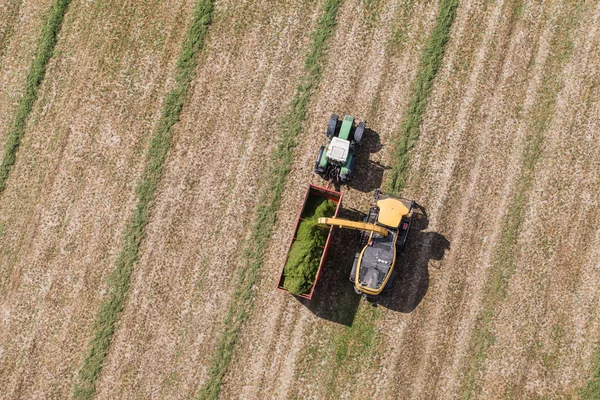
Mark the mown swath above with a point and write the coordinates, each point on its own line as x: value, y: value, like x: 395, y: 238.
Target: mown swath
x: 281, y: 161
x: 431, y: 60
x: 118, y: 285
x: 35, y: 76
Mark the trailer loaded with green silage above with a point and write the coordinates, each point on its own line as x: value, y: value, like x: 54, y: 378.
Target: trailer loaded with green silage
x: 309, y: 244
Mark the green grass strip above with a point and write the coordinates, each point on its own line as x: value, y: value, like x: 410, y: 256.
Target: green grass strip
x: 431, y: 60
x: 592, y: 389
x: 35, y: 76
x: 353, y: 346
x: 281, y: 162
x: 118, y: 284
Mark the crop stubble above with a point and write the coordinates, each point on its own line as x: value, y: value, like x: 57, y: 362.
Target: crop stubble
x: 543, y: 348
x: 480, y: 159
x: 484, y: 164
x: 71, y: 190
x: 454, y: 174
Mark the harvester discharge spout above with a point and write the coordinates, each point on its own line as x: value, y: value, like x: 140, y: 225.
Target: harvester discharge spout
x: 362, y: 226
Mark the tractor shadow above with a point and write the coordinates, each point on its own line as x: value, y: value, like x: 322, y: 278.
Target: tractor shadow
x: 334, y: 298
x: 412, y: 280
x: 368, y: 174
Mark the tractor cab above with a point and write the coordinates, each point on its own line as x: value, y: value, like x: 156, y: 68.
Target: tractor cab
x: 338, y: 151
x: 336, y: 160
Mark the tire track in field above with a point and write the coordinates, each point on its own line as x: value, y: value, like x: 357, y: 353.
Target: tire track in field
x: 476, y: 279
x: 471, y: 181
x: 504, y: 258
x: 590, y: 280
x: 455, y: 287
x: 578, y: 312
x: 407, y: 352
x: 276, y: 378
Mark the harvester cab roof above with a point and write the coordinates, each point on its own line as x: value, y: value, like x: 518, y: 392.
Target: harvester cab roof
x: 391, y: 212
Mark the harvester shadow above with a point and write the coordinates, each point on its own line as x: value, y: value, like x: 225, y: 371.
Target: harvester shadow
x: 368, y: 174
x: 423, y: 249
x: 334, y: 298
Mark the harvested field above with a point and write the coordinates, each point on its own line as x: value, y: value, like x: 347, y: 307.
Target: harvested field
x: 71, y: 190
x: 497, y: 294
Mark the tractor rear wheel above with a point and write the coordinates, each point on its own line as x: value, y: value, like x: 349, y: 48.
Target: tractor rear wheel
x: 358, y: 133
x: 318, y: 169
x: 332, y: 125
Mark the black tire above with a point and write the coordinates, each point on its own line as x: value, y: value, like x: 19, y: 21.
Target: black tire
x: 390, y: 284
x: 359, y: 132
x: 352, y: 276
x: 351, y: 169
x: 318, y: 170
x: 364, y: 239
x: 332, y: 125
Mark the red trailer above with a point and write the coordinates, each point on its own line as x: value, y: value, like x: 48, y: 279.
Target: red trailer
x: 311, y: 192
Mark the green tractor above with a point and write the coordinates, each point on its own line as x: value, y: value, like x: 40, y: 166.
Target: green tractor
x: 336, y: 159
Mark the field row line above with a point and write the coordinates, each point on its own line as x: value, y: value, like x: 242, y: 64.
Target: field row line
x: 506, y: 254
x: 119, y: 280
x: 35, y: 76
x: 359, y: 339
x: 281, y: 161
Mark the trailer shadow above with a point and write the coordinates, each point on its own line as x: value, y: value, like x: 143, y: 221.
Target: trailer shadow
x: 368, y: 174
x: 422, y: 250
x: 334, y: 298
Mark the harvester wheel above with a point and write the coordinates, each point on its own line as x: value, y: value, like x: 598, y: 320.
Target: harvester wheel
x: 358, y: 133
x: 364, y: 238
x: 390, y: 284
x: 332, y: 125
